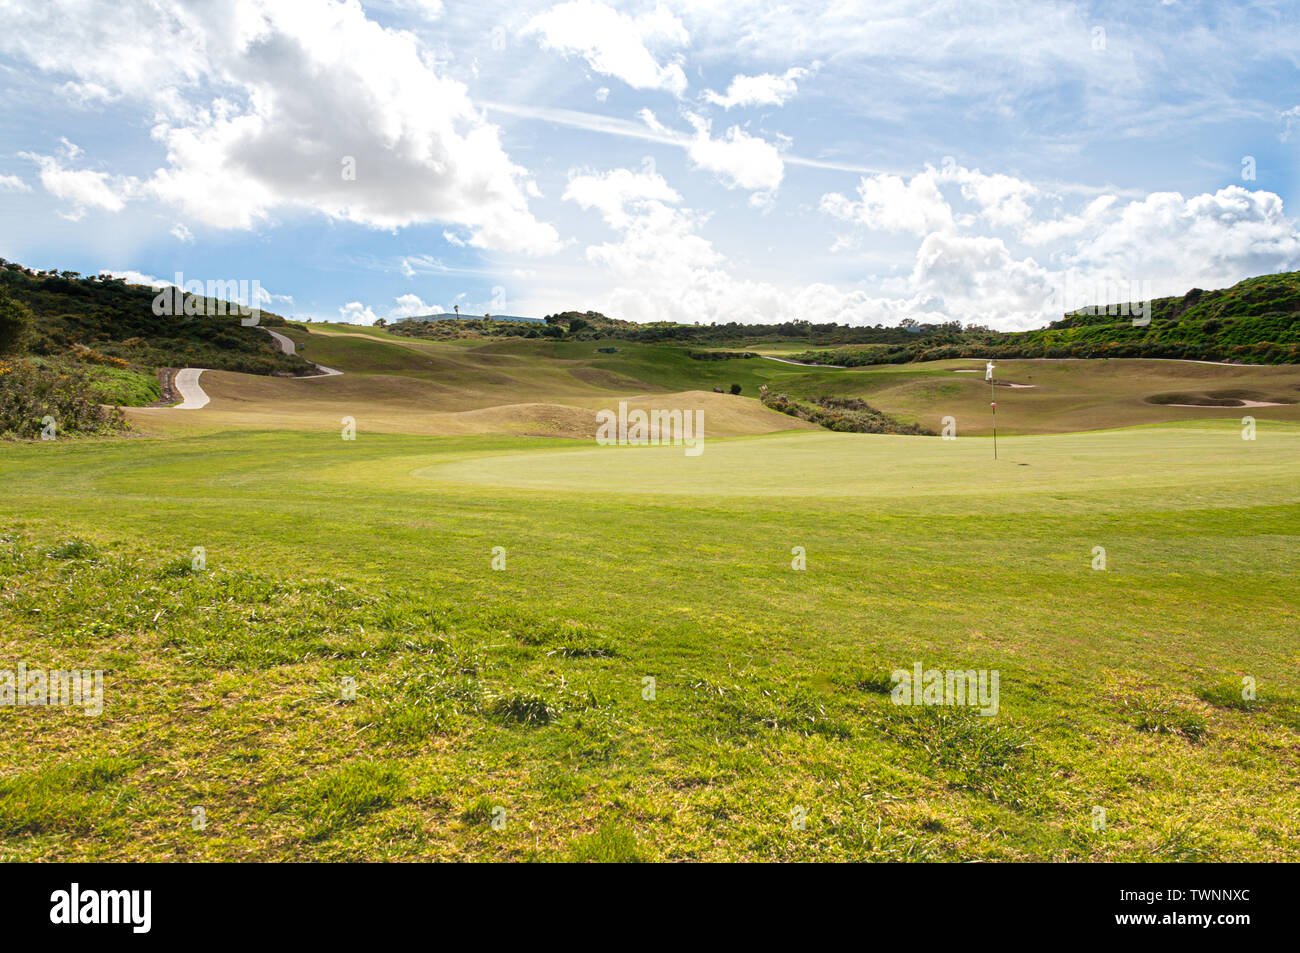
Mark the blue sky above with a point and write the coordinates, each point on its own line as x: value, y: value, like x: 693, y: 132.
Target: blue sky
x: 990, y: 162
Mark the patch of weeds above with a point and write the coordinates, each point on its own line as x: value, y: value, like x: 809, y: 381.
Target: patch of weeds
x: 1180, y: 843
x: 75, y: 548
x: 877, y: 681
x: 346, y: 795
x: 862, y: 840
x: 479, y: 811
x: 522, y: 708
x: 746, y: 708
x: 609, y: 845
x: 992, y: 758
x: 584, y: 651
x: 1162, y: 717
x: 427, y: 703
x: 567, y: 639
x: 177, y: 568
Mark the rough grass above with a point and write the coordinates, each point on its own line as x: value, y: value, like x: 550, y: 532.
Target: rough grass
x: 650, y: 679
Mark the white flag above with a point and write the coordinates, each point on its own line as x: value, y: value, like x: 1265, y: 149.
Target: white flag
x: 988, y: 371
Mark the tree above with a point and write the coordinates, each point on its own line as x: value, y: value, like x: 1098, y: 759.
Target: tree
x: 381, y: 322
x: 15, y: 324
x: 578, y: 324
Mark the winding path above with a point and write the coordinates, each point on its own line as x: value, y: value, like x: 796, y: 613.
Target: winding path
x: 195, y: 398
x: 838, y: 367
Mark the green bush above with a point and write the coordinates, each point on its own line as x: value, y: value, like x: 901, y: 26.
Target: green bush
x: 32, y: 394
x: 15, y: 324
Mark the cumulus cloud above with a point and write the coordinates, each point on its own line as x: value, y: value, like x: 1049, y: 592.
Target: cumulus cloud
x: 12, y: 183
x: 1003, y: 200
x: 739, y: 159
x: 83, y: 189
x: 411, y: 305
x: 766, y: 89
x: 664, y: 270
x: 1163, y: 243
x: 1207, y: 239
x: 613, y: 43
x: 316, y: 108
x: 354, y: 312
x: 887, y: 203
x: 977, y: 278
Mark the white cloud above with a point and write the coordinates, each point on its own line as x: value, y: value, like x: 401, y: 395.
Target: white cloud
x: 411, y: 305
x: 1206, y: 240
x: 1163, y: 241
x: 1043, y: 233
x: 1290, y: 120
x: 13, y: 184
x: 83, y: 188
x: 1003, y: 199
x: 887, y: 203
x: 137, y: 278
x: 354, y: 312
x: 977, y: 279
x: 411, y: 265
x: 664, y: 270
x: 766, y: 89
x: 300, y: 92
x: 739, y: 159
x: 613, y: 43
x: 602, y: 94
x: 182, y: 233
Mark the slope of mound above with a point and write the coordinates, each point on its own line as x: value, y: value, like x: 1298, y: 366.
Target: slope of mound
x: 392, y: 403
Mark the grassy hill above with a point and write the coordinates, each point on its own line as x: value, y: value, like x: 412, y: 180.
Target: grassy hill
x: 98, y: 319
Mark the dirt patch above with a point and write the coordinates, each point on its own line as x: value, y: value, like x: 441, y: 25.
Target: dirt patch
x: 166, y: 387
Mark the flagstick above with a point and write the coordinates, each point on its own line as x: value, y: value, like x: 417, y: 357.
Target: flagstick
x: 994, y: 402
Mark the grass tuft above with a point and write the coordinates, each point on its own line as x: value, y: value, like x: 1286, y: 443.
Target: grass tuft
x: 522, y: 708
x: 609, y: 845
x: 75, y: 548
x: 1163, y: 717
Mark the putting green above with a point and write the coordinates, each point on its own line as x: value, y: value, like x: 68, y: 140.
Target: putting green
x: 821, y: 464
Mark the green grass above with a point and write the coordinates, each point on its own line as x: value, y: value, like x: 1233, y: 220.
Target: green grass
x: 122, y: 388
x: 527, y: 689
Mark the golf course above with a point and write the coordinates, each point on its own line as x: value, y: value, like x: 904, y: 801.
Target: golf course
x: 458, y: 628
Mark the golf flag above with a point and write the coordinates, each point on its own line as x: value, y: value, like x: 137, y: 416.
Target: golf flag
x: 988, y: 371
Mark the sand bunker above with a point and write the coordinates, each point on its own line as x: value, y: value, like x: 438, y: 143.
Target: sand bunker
x: 1239, y: 403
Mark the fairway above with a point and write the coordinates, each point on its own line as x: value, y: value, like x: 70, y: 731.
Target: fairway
x: 520, y: 692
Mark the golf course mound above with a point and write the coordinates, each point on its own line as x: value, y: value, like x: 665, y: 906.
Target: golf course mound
x: 395, y: 384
